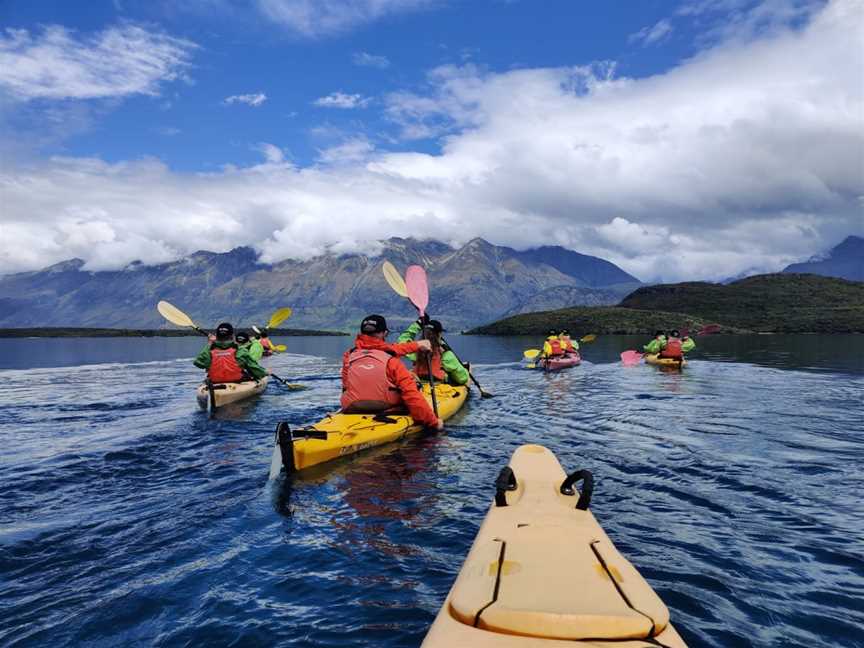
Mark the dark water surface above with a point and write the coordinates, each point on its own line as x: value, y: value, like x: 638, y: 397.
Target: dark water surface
x: 128, y: 516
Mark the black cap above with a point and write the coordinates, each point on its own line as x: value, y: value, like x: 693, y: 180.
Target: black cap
x: 674, y: 333
x: 436, y: 326
x: 552, y: 332
x: 564, y: 332
x: 224, y: 331
x: 373, y: 324
x: 242, y: 337
x: 659, y: 333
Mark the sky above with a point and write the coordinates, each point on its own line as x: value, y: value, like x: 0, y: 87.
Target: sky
x: 681, y: 140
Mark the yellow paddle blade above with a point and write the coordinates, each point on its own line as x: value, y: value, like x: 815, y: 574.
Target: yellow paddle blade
x: 174, y: 314
x: 588, y: 338
x: 531, y: 353
x: 279, y: 316
x: 397, y: 283
x: 281, y: 348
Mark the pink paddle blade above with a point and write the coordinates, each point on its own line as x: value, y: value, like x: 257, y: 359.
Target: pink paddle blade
x: 418, y: 288
x: 709, y: 329
x: 630, y: 358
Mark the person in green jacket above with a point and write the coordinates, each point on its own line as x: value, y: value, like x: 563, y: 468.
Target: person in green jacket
x: 657, y: 344
x: 687, y: 344
x: 225, y: 360
x: 256, y: 351
x: 445, y: 364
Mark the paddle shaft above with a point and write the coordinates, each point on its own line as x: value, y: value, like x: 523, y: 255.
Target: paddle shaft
x: 429, y: 369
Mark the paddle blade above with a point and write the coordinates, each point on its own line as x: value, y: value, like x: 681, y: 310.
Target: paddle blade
x: 174, y: 314
x: 281, y: 348
x: 709, y: 329
x: 279, y: 316
x: 531, y: 353
x: 588, y: 338
x: 630, y: 358
x: 418, y: 288
x: 397, y: 283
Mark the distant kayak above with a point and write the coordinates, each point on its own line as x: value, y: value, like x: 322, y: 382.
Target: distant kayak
x: 339, y: 435
x: 224, y: 393
x: 559, y: 362
x: 655, y: 359
x: 542, y: 572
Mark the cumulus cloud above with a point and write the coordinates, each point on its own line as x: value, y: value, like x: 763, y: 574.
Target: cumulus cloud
x: 365, y: 59
x: 343, y: 101
x: 650, y: 35
x: 253, y: 100
x: 313, y: 18
x: 60, y: 64
x: 272, y: 153
x: 733, y: 159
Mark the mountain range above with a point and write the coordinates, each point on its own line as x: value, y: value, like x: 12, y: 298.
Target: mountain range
x: 844, y: 261
x: 476, y: 283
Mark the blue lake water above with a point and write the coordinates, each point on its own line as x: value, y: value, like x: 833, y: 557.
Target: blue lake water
x: 128, y: 516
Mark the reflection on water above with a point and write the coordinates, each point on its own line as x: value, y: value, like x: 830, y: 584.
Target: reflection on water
x: 130, y: 516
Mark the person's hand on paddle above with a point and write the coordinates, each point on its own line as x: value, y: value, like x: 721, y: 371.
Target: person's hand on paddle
x: 423, y: 321
x: 211, y: 338
x: 439, y: 425
x: 424, y: 345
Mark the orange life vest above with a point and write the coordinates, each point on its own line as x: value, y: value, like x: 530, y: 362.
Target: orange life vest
x: 556, y: 347
x: 367, y: 387
x: 421, y: 366
x: 673, y: 349
x: 268, y: 346
x: 223, y: 365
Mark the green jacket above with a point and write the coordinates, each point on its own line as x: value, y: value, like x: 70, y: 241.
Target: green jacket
x: 457, y: 374
x: 687, y: 345
x: 656, y: 345
x: 244, y: 359
x: 256, y: 351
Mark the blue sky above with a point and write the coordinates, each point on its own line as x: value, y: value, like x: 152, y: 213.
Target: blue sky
x: 730, y: 129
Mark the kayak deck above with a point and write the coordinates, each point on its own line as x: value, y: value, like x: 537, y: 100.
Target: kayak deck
x: 339, y: 435
x: 226, y: 393
x: 655, y: 359
x: 543, y: 573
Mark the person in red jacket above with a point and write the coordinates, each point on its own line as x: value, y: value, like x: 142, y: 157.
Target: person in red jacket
x: 375, y: 380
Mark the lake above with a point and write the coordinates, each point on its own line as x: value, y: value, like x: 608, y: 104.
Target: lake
x: 129, y: 516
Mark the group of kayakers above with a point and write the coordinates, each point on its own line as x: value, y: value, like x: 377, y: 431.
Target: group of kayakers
x: 673, y: 345
x: 558, y: 344
x: 234, y: 357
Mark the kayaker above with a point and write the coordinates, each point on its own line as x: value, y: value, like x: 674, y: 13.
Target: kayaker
x: 225, y: 361
x: 250, y: 344
x: 374, y: 379
x: 569, y: 346
x: 445, y: 365
x: 266, y: 344
x: 552, y: 346
x: 656, y: 345
x: 676, y: 347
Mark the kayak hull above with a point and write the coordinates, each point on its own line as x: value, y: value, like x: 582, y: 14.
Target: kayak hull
x: 226, y: 393
x: 655, y: 359
x: 339, y: 435
x: 564, y: 362
x: 543, y: 573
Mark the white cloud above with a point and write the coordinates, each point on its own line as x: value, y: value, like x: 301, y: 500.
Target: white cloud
x: 272, y: 153
x: 650, y: 35
x: 343, y: 101
x: 365, y: 59
x: 117, y: 62
x: 734, y: 159
x: 254, y: 100
x: 314, y: 18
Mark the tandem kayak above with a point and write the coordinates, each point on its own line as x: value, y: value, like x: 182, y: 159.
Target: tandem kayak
x: 653, y: 358
x: 339, y: 435
x: 543, y: 573
x: 224, y: 393
x: 560, y: 362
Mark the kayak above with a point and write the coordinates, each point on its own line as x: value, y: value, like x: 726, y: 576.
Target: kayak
x: 225, y: 393
x: 653, y: 358
x: 543, y: 573
x: 339, y: 435
x: 560, y: 362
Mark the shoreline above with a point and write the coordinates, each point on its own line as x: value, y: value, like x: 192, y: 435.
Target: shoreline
x: 92, y: 332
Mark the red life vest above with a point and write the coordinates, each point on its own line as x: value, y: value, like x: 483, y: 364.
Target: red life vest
x: 421, y: 366
x: 223, y: 365
x: 556, y: 347
x: 367, y: 387
x: 268, y: 346
x: 673, y: 349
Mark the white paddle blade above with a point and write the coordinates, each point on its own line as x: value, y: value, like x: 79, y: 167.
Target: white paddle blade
x: 275, y: 463
x: 391, y: 274
x: 174, y: 314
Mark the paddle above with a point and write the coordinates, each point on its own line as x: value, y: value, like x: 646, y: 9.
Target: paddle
x: 708, y: 329
x: 418, y: 293
x: 531, y: 354
x: 588, y: 338
x: 178, y: 317
x: 630, y: 358
x: 391, y: 274
x: 291, y: 386
x: 278, y: 317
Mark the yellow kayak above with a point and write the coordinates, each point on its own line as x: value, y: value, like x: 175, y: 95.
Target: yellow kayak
x: 543, y: 573
x: 224, y: 393
x: 339, y: 435
x: 655, y: 359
